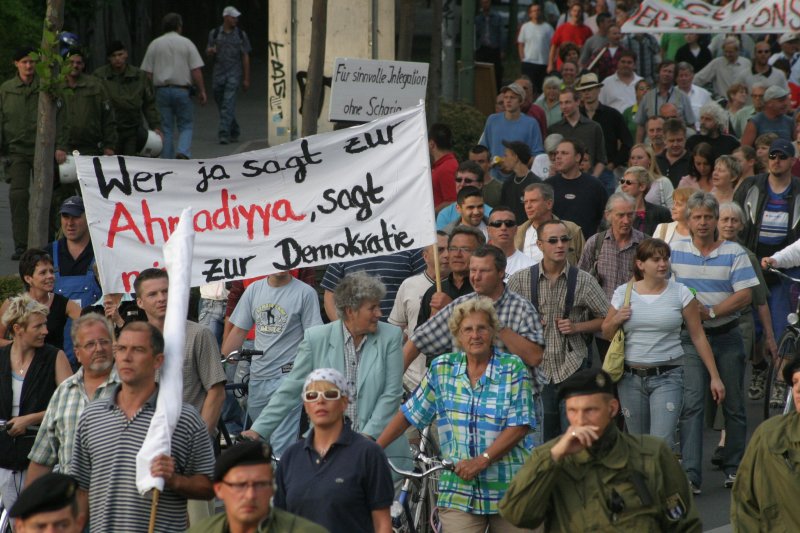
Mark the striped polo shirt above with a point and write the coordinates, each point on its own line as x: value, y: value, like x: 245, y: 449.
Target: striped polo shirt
x: 715, y: 277
x: 104, y: 464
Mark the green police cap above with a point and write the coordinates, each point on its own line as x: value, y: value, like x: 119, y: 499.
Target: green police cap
x: 245, y: 453
x: 50, y: 492
x: 588, y: 381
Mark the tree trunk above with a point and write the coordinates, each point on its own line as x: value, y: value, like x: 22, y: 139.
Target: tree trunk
x: 316, y: 64
x: 435, y: 71
x: 466, y: 77
x: 449, y: 29
x: 405, y: 30
x: 38, y: 225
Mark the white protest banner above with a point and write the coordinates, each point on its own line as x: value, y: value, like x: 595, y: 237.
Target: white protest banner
x: 696, y: 16
x: 349, y: 194
x: 158, y: 441
x: 364, y: 89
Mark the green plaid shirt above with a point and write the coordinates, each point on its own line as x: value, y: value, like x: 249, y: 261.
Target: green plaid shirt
x: 56, y: 438
x: 469, y: 419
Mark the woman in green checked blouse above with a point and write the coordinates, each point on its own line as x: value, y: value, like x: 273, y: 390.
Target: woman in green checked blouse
x: 482, y: 402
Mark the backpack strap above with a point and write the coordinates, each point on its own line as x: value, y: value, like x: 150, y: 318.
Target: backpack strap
x: 572, y: 282
x: 535, y: 286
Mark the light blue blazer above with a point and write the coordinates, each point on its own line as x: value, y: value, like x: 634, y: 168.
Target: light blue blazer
x: 380, y: 382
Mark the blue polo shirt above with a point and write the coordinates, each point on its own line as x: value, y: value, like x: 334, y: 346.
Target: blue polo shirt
x: 338, y: 491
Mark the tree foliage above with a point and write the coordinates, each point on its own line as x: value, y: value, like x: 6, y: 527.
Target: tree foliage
x: 22, y: 23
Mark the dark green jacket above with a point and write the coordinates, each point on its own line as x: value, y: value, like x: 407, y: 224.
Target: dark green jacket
x: 89, y: 125
x: 132, y: 96
x: 767, y: 489
x: 638, y: 473
x: 19, y: 104
x: 278, y: 521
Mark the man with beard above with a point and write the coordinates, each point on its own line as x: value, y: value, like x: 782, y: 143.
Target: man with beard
x: 96, y: 378
x: 713, y: 123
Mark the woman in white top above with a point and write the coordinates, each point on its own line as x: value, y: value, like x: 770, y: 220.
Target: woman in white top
x: 677, y: 229
x: 651, y: 388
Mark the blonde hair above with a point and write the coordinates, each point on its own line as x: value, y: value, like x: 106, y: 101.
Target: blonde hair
x: 682, y: 194
x: 481, y: 304
x: 642, y: 175
x: 20, y: 309
x: 653, y: 167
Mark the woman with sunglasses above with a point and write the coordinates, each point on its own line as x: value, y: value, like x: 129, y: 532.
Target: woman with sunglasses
x: 636, y: 181
x: 38, y: 278
x: 335, y: 476
x: 660, y: 192
x: 30, y: 371
x: 482, y: 402
x: 651, y: 388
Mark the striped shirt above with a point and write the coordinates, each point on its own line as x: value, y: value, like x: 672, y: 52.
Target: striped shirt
x: 392, y: 270
x: 104, y: 464
x: 469, y: 420
x: 55, y: 440
x: 715, y: 277
x: 563, y: 355
x: 775, y: 219
x: 352, y: 358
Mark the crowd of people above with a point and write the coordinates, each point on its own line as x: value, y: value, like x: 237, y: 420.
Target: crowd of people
x: 624, y: 184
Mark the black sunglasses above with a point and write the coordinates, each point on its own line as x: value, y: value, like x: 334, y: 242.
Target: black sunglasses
x: 554, y: 240
x: 506, y: 223
x: 778, y: 155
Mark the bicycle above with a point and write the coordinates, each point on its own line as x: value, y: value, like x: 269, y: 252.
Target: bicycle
x: 415, y: 509
x: 788, y: 346
x: 239, y: 390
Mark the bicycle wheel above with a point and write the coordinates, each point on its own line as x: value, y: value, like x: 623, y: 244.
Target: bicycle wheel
x: 776, y: 390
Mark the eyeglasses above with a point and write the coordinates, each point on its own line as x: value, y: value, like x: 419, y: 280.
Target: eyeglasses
x: 506, y: 223
x: 465, y: 180
x: 778, y: 155
x: 554, y: 240
x: 462, y: 249
x: 623, y: 181
x: 93, y: 345
x: 257, y: 486
x: 312, y: 396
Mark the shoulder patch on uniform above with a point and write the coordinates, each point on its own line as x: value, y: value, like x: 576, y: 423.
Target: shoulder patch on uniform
x: 675, y: 509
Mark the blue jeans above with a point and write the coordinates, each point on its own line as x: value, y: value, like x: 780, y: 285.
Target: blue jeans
x: 779, y: 302
x: 225, y: 96
x: 729, y: 355
x: 286, y: 434
x: 176, y: 108
x: 554, y: 414
x: 211, y: 314
x: 652, y: 405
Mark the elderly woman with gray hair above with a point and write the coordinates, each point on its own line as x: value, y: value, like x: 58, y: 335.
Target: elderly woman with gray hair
x: 482, y: 402
x: 366, y: 351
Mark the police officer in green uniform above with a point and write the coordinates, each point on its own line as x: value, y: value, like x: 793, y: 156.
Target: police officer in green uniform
x: 596, y: 478
x: 244, y: 481
x: 89, y: 125
x: 767, y: 488
x: 132, y: 95
x: 48, y: 504
x: 19, y: 103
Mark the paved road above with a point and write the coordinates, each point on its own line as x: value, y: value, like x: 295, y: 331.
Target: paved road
x: 714, y: 503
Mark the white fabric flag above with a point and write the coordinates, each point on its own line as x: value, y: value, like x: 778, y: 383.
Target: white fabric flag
x: 178, y: 259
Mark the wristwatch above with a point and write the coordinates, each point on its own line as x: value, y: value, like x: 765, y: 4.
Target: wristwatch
x: 711, y: 313
x: 486, y: 456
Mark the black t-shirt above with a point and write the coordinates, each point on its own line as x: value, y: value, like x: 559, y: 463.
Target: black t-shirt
x: 581, y: 200
x: 513, y: 192
x: 722, y: 145
x: 449, y: 288
x: 69, y: 266
x: 676, y: 170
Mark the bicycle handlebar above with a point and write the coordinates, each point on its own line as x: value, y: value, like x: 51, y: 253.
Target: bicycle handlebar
x: 446, y: 464
x: 781, y: 274
x: 241, y: 355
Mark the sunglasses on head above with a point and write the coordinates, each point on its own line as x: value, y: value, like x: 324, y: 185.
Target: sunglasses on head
x: 778, y: 155
x: 554, y: 240
x: 312, y: 396
x: 506, y: 223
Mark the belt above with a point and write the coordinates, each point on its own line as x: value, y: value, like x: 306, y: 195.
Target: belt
x: 187, y: 87
x: 650, y: 371
x: 724, y: 328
